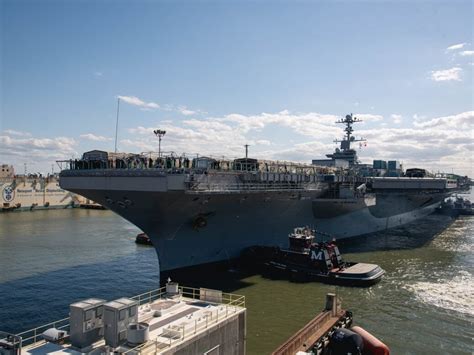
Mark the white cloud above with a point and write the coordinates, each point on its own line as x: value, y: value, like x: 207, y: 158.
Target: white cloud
x: 98, y: 73
x: 456, y: 46
x: 417, y: 117
x: 20, y: 145
x: 439, y: 143
x: 461, y: 121
x: 135, y: 101
x: 396, y: 118
x: 151, y: 106
x: 307, y: 124
x: 167, y: 107
x: 12, y: 132
x: 447, y: 74
x: 183, y: 110
x: 263, y: 142
x: 466, y: 53
x: 227, y: 135
x: 38, y: 153
x: 95, y: 138
x: 369, y: 117
x: 299, y: 152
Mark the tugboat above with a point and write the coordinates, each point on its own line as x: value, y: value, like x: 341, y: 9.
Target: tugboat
x: 316, y: 261
x: 142, y: 238
x: 457, y: 206
x: 463, y: 206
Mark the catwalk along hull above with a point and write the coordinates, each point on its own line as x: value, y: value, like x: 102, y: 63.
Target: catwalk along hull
x: 20, y: 194
x: 196, y: 228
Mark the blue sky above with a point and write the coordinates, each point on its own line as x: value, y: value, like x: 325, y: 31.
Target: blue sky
x: 217, y: 75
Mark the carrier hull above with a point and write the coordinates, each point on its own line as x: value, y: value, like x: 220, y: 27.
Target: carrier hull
x: 345, y: 218
x: 189, y: 229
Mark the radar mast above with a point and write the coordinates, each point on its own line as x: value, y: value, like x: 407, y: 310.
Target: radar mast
x: 346, y: 142
x: 346, y: 152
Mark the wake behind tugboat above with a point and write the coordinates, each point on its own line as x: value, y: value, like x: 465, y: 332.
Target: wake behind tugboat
x: 315, y: 261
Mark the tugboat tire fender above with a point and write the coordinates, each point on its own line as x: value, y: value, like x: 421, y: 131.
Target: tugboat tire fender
x: 372, y: 345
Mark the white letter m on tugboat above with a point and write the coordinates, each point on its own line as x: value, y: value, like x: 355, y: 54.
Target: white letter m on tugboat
x: 316, y: 256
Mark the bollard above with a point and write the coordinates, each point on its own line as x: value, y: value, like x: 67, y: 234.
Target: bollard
x: 331, y: 303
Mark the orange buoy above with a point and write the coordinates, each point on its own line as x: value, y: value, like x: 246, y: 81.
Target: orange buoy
x: 372, y: 345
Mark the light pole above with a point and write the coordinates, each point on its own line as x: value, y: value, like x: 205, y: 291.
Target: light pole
x: 159, y: 133
x: 116, y: 123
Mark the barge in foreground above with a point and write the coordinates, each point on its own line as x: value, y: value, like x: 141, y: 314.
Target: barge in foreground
x: 314, y: 261
x: 169, y: 320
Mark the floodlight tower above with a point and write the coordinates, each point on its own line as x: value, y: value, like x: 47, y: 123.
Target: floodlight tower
x: 159, y: 133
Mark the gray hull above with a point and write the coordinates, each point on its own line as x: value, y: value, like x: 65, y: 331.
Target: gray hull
x: 190, y: 229
x: 352, y: 217
x: 362, y: 221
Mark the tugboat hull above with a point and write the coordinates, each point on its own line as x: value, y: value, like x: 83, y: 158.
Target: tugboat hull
x: 342, y: 278
x: 359, y: 274
x: 275, y: 260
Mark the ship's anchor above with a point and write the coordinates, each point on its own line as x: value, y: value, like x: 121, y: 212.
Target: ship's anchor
x: 200, y: 221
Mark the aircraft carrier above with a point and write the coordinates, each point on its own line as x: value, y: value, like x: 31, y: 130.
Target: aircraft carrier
x: 199, y: 210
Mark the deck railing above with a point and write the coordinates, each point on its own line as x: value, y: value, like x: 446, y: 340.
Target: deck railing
x: 189, y: 292
x: 184, y: 162
x: 230, y: 304
x: 32, y: 336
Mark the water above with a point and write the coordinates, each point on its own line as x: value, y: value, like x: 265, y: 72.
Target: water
x: 49, y: 259
x: 424, y: 304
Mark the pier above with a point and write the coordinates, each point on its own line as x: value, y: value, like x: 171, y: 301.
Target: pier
x: 317, y: 330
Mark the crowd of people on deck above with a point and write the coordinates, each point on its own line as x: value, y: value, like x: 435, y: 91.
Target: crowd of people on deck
x: 182, y: 163
x: 133, y: 162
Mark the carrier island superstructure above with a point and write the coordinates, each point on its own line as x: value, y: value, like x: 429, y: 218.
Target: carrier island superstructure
x: 199, y: 210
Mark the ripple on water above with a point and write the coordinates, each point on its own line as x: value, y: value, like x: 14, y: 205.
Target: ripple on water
x: 456, y: 294
x: 459, y: 238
